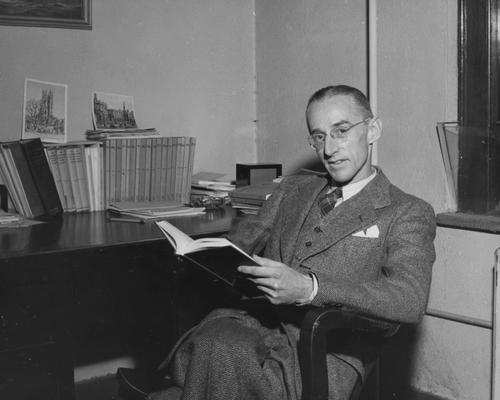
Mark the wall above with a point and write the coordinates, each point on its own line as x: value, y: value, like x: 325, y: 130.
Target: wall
x: 302, y: 45
x: 189, y: 65
x: 417, y: 88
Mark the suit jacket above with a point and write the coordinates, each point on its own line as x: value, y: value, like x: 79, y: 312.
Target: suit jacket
x: 373, y: 253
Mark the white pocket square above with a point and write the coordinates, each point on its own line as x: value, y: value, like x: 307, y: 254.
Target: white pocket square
x: 371, y: 232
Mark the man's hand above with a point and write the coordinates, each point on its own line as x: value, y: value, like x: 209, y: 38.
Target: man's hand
x: 280, y: 283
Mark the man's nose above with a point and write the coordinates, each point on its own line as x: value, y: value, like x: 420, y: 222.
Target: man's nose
x: 331, y: 146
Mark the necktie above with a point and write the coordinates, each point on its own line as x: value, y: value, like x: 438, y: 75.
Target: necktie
x: 327, y: 201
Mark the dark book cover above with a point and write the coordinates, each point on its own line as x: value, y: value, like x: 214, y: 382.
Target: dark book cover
x: 42, y: 175
x: 259, y: 191
x: 27, y: 180
x: 222, y: 262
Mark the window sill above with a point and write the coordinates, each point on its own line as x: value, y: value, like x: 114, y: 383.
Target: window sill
x: 472, y: 222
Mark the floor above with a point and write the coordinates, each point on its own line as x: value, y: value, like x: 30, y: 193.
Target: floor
x: 98, y: 389
x: 106, y: 389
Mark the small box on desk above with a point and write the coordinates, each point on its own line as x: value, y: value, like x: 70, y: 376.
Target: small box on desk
x: 250, y: 174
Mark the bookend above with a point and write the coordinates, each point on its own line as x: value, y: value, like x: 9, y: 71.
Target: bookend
x: 251, y: 174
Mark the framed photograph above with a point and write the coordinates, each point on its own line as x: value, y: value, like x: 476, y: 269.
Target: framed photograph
x: 45, y: 111
x: 76, y: 14
x: 113, y: 111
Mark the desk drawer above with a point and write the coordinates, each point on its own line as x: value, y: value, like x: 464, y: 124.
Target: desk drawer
x: 33, y: 299
x: 33, y: 373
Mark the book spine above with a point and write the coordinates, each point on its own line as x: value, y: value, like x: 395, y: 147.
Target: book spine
x: 131, y: 169
x: 101, y: 176
x: 147, y: 181
x: 91, y: 184
x: 44, y: 180
x: 119, y: 170
x: 141, y: 178
x: 163, y: 168
x: 112, y: 170
x: 62, y: 162
x: 17, y: 182
x: 156, y: 169
x: 27, y: 180
x: 170, y: 167
x: 192, y: 147
x: 9, y: 182
x: 178, y: 168
x: 81, y: 173
x: 51, y: 153
x: 73, y: 175
x: 173, y: 187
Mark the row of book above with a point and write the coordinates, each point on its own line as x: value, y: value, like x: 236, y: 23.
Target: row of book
x: 77, y: 170
x: 90, y: 175
x: 148, y: 169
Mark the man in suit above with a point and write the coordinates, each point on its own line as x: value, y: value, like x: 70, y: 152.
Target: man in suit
x: 348, y: 238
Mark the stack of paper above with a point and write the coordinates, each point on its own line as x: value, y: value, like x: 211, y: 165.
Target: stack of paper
x: 150, y: 210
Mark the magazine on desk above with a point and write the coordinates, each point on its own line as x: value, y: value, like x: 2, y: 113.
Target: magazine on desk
x: 219, y: 256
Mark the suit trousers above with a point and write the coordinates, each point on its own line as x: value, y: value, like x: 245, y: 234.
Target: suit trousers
x: 234, y: 356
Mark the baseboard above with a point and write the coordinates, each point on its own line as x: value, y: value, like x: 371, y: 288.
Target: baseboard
x: 414, y: 394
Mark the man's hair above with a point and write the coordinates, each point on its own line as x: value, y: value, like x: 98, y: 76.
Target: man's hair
x: 343, y: 90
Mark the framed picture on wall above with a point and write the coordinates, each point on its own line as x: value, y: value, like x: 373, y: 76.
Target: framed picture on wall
x: 45, y: 111
x: 74, y: 14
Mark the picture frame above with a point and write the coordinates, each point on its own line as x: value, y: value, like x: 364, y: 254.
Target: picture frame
x: 45, y: 111
x: 72, y: 14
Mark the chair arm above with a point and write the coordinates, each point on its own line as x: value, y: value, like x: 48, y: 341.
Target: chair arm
x: 317, y: 326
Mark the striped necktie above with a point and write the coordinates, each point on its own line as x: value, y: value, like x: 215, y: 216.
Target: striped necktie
x: 327, y: 201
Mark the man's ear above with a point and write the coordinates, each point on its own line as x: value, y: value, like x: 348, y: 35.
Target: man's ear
x: 374, y: 130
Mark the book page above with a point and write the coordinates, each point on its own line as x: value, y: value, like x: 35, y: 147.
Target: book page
x: 178, y: 239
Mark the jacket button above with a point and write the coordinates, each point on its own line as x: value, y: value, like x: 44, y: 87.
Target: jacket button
x: 308, y: 244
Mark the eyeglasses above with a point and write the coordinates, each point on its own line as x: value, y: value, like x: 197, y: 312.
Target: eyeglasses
x: 317, y: 139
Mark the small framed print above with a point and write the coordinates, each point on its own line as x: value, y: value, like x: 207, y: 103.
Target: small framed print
x: 45, y: 111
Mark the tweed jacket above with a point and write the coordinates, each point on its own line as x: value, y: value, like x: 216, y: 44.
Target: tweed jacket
x: 373, y: 253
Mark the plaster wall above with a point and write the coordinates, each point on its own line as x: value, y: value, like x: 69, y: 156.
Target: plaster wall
x: 303, y: 45
x: 189, y: 65
x: 300, y: 47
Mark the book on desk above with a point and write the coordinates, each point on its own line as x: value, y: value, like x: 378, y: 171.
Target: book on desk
x: 47, y: 179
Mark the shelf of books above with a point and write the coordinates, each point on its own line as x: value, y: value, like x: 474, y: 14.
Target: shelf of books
x: 46, y: 179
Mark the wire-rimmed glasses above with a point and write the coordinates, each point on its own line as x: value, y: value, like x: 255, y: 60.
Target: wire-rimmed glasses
x: 341, y: 132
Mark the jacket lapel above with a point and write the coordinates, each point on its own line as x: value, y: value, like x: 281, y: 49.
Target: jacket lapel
x: 353, y: 215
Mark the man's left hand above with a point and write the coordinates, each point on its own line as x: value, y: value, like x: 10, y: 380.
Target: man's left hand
x: 280, y: 283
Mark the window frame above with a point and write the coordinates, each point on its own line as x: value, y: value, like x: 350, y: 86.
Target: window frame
x: 478, y: 106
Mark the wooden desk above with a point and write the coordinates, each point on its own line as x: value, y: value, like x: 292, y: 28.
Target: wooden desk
x: 79, y: 289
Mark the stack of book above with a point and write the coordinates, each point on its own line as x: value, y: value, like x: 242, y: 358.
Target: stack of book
x: 100, y: 134
x: 148, y: 169
x: 77, y: 170
x: 25, y: 171
x: 249, y: 199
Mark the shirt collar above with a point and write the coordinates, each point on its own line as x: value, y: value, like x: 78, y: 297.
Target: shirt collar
x: 354, y: 188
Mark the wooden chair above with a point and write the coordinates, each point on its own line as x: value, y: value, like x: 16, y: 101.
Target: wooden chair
x: 321, y: 325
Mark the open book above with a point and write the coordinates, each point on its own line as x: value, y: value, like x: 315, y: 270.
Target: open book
x: 218, y: 256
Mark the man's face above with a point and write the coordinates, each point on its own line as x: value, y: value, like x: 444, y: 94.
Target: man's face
x: 347, y: 160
